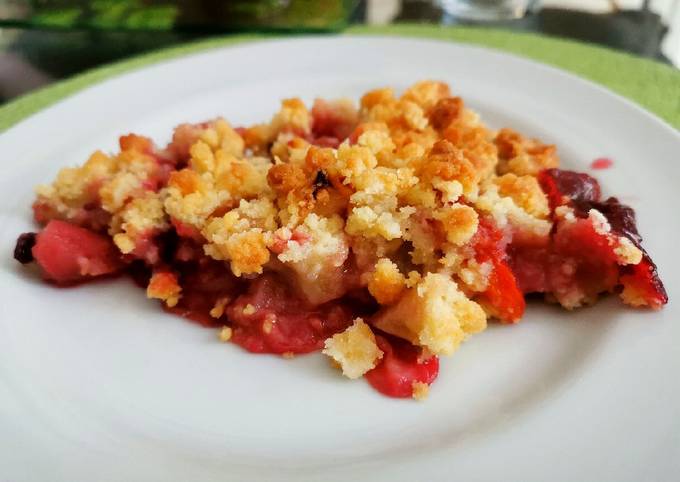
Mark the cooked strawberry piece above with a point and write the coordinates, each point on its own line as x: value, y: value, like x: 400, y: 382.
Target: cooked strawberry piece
x: 331, y: 119
x: 579, y: 264
x: 503, y: 298
x: 269, y: 319
x: 488, y: 241
x: 562, y: 186
x: 591, y: 254
x: 528, y: 264
x: 326, y: 141
x: 67, y: 253
x: 401, y: 366
x: 641, y: 282
x: 588, y: 253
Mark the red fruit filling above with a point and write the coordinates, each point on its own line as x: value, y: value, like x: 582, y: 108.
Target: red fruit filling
x: 205, y: 284
x: 564, y: 187
x: 270, y: 319
x: 579, y: 264
x: 581, y: 261
x: 326, y: 141
x: 401, y: 366
x: 67, y: 253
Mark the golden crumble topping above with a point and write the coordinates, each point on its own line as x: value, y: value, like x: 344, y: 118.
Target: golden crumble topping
x: 239, y: 236
x: 523, y: 156
x: 525, y: 192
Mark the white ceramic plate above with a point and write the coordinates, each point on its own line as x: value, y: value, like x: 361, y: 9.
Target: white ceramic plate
x: 98, y: 384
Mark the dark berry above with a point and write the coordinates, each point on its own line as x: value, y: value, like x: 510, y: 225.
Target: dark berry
x: 23, y: 249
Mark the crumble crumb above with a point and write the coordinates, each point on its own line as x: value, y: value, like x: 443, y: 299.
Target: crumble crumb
x: 218, y: 309
x: 459, y: 223
x: 526, y: 192
x: 523, y: 156
x: 475, y: 275
x: 627, y: 252
x: 420, y: 391
x: 386, y: 282
x: 599, y: 222
x: 267, y: 325
x: 164, y: 286
x: 355, y: 349
x: 225, y: 334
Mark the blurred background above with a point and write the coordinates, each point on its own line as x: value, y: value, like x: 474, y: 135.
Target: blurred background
x: 42, y: 41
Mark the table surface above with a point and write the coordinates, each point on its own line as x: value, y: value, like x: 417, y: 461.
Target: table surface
x: 32, y: 58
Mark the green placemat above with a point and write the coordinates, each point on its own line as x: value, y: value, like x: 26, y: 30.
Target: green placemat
x: 652, y: 85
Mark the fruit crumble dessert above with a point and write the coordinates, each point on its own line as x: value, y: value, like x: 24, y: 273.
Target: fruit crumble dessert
x: 383, y: 235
